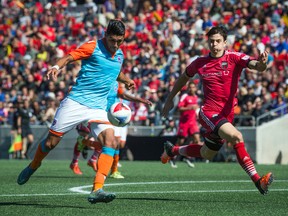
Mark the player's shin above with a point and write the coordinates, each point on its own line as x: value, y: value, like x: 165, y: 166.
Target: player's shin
x: 41, y: 152
x: 192, y: 150
x: 104, y: 165
x: 114, y: 167
x: 245, y: 161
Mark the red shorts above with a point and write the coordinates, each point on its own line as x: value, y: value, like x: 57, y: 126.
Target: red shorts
x: 212, y: 121
x: 185, y: 130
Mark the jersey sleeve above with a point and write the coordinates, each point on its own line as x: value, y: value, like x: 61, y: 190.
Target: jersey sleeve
x: 120, y: 91
x: 241, y: 59
x: 84, y: 51
x: 191, y: 69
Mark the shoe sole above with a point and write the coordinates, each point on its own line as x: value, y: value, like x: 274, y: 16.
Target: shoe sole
x: 95, y: 170
x: 105, y: 199
x: 76, y: 173
x: 20, y: 180
x: 117, y: 177
x: 270, y: 181
x: 164, y: 160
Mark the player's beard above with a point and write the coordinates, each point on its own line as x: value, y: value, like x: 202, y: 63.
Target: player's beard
x: 113, y: 49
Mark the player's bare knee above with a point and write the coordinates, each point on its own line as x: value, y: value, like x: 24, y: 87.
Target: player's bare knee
x: 236, y: 137
x: 51, y: 142
x: 50, y: 145
x: 110, y: 142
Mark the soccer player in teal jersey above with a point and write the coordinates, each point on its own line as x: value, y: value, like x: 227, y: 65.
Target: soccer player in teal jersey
x: 87, y: 102
x: 116, y: 94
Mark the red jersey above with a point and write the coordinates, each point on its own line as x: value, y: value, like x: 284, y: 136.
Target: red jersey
x: 220, y: 79
x: 188, y: 116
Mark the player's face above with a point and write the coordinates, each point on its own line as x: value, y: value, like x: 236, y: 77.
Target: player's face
x: 216, y: 45
x: 192, y: 89
x: 113, y: 42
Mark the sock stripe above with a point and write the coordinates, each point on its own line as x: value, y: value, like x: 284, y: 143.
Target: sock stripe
x: 108, y: 151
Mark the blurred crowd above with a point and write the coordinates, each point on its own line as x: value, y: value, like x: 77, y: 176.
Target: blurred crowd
x: 162, y: 38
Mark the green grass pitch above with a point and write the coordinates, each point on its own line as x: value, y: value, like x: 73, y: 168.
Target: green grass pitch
x: 149, y: 188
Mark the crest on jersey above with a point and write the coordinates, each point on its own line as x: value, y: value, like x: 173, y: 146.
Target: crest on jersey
x: 119, y: 59
x: 224, y: 64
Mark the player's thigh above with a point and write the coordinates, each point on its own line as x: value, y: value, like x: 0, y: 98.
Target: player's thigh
x: 104, y: 133
x: 228, y: 132
x: 117, y: 132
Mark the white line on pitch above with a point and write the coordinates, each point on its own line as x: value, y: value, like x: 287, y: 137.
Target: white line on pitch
x: 140, y: 192
x: 80, y: 189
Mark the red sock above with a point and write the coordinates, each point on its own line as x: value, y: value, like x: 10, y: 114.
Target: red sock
x: 192, y: 150
x: 245, y: 161
x: 95, y: 155
x: 76, y: 154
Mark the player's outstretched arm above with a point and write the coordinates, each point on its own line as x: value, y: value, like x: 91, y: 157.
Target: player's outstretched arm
x: 181, y: 81
x: 129, y: 84
x: 260, y: 64
x: 55, y: 70
x: 135, y: 99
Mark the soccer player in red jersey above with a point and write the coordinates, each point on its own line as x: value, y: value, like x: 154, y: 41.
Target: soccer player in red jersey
x: 188, y: 124
x: 219, y: 72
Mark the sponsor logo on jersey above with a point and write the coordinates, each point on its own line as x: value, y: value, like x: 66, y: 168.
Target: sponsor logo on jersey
x: 246, y: 57
x: 212, y: 74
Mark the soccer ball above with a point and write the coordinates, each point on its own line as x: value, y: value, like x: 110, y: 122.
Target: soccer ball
x: 119, y: 114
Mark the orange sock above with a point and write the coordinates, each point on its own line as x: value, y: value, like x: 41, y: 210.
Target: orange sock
x: 38, y: 157
x: 114, y: 167
x: 103, y: 167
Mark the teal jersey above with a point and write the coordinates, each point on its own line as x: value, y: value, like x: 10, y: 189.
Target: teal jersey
x: 97, y: 75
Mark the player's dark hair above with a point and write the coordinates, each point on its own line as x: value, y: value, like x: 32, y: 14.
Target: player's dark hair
x: 218, y: 30
x: 115, y: 27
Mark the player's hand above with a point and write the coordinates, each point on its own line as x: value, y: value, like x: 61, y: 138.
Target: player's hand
x: 167, y: 107
x: 263, y: 57
x: 147, y: 102
x: 52, y: 72
x: 129, y: 84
